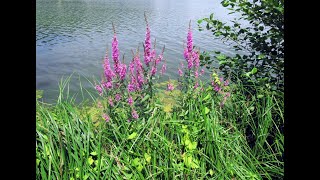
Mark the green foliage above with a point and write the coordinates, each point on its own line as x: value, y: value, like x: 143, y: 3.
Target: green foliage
x: 199, y: 140
x: 258, y: 31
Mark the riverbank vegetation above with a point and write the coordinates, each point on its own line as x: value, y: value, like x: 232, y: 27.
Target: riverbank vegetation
x: 228, y: 125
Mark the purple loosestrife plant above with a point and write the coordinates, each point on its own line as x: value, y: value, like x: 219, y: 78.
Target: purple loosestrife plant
x: 134, y: 114
x: 106, y: 117
x: 180, y: 72
x: 107, y: 85
x: 130, y: 100
x: 110, y: 101
x: 99, y: 89
x: 170, y: 87
x: 109, y: 74
x: 196, y: 85
x: 202, y: 72
x: 196, y: 57
x: 118, y: 97
x: 123, y: 71
x: 115, y: 54
x: 188, y: 50
x: 147, y: 45
x: 163, y: 69
x: 139, y: 72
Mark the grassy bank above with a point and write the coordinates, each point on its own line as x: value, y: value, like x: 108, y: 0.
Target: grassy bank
x: 195, y: 139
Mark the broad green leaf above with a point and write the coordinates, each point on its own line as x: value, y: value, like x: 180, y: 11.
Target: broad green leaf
x: 221, y: 57
x: 147, y: 157
x: 247, y: 74
x: 90, y: 160
x: 211, y: 172
x: 200, y: 21
x: 86, y: 176
x: 192, y: 146
x: 211, y: 16
x: 260, y: 96
x: 136, y: 162
x: 254, y: 70
x: 133, y: 135
x: 94, y: 153
x: 187, y: 142
x: 127, y: 176
x: 206, y: 110
x: 139, y: 168
x: 37, y: 162
x: 207, y: 97
x: 194, y: 165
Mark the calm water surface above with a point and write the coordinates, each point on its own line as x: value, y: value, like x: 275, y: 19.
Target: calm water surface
x: 72, y: 35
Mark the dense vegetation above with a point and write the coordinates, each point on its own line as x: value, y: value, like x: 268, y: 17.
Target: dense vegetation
x: 227, y: 127
x: 196, y: 139
x: 258, y: 32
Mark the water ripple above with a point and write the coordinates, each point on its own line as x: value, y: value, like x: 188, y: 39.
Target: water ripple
x: 72, y: 36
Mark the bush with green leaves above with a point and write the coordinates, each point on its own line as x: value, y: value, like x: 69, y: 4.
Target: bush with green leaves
x: 258, y: 32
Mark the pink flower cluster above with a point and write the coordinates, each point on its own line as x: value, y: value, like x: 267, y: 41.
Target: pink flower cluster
x: 189, y: 54
x: 192, y: 57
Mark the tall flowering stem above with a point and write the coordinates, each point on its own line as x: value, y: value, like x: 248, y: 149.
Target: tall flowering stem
x: 115, y: 53
x: 192, y: 58
x: 109, y: 74
x: 188, y: 51
x: 147, y: 44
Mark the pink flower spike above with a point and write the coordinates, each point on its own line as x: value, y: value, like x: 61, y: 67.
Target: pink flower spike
x: 147, y: 46
x: 170, y: 87
x: 226, y: 83
x: 130, y: 101
x: 106, y: 117
x: 107, y: 85
x: 202, y: 72
x: 131, y: 87
x: 189, y: 40
x: 115, y: 54
x: 118, y: 97
x: 196, y: 74
x: 110, y: 102
x: 160, y: 57
x: 109, y: 74
x: 196, y: 85
x: 217, y: 88
x: 185, y: 55
x: 153, y: 70
x: 134, y: 114
x: 180, y: 72
x: 163, y: 69
x: 123, y: 71
x: 195, y: 56
x: 99, y: 89
x: 190, y: 62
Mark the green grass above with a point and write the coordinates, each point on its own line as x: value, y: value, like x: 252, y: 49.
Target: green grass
x: 196, y: 139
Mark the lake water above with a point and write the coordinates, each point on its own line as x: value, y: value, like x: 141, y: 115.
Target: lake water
x: 72, y: 35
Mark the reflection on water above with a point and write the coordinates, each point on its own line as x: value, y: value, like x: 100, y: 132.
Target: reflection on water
x: 72, y: 35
